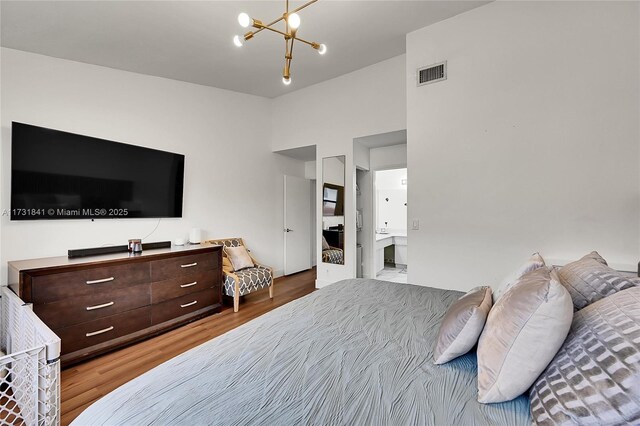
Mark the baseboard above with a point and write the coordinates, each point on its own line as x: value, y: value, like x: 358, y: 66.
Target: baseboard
x: 277, y: 273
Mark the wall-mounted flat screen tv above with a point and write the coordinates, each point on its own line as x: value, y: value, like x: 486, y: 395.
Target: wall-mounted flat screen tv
x: 61, y: 175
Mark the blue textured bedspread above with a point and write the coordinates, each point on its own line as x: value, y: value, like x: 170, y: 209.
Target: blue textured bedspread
x: 358, y: 352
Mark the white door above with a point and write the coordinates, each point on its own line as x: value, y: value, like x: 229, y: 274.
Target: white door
x: 297, y: 224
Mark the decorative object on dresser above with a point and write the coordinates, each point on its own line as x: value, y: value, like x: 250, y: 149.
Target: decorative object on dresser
x: 100, y: 303
x: 238, y: 282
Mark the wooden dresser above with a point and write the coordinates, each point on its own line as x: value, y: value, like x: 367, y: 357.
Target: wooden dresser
x: 96, y: 304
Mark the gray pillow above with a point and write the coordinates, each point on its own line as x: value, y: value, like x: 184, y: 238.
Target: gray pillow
x: 462, y: 325
x: 590, y: 279
x: 595, y: 377
x: 534, y: 262
x: 524, y: 330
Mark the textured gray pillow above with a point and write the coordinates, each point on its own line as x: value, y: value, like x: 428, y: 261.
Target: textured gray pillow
x: 534, y: 262
x: 590, y: 279
x: 595, y: 377
x: 462, y: 325
x: 524, y: 330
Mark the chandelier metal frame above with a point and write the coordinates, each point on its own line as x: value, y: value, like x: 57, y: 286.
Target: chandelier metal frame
x: 290, y: 34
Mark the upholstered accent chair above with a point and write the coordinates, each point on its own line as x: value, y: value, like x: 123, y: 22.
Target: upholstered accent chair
x: 244, y: 281
x: 333, y: 255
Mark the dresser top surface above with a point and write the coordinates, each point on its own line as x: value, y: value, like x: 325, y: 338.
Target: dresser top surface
x: 64, y: 261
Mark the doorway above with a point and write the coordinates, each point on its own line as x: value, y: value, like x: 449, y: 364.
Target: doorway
x: 297, y: 224
x: 299, y: 212
x: 390, y: 189
x: 372, y: 154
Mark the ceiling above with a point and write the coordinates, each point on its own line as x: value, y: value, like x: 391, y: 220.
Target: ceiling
x: 192, y: 40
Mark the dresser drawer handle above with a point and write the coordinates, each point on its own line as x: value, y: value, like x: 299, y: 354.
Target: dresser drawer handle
x: 95, y: 333
x: 189, y: 265
x: 186, y: 305
x: 188, y: 285
x: 104, y: 305
x: 104, y: 280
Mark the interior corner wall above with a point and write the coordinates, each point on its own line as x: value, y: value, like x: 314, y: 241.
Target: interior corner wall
x: 330, y: 115
x: 530, y: 144
x: 210, y: 126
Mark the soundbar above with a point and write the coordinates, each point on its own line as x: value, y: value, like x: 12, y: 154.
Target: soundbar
x: 114, y: 249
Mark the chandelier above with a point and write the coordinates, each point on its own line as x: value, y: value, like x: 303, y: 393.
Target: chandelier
x: 291, y: 24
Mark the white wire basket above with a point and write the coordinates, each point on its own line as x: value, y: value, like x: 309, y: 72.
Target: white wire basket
x: 30, y: 370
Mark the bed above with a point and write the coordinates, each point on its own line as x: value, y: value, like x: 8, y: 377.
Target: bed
x: 358, y: 352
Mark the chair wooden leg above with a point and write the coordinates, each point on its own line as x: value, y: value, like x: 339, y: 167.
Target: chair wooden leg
x: 236, y: 297
x: 271, y: 286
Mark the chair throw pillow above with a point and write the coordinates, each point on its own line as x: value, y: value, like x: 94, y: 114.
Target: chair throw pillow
x: 595, y: 377
x: 325, y: 244
x: 462, y: 325
x: 590, y: 279
x: 239, y: 257
x: 524, y: 330
x: 534, y: 262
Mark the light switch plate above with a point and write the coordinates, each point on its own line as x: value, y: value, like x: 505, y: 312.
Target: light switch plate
x: 416, y: 224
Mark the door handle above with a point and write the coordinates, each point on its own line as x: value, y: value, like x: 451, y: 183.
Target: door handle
x: 288, y: 230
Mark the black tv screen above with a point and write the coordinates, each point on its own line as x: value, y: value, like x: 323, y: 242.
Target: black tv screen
x: 60, y: 175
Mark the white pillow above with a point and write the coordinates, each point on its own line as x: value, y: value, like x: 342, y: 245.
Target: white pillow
x: 325, y: 244
x: 524, y: 331
x: 534, y: 262
x: 239, y: 257
x: 462, y: 325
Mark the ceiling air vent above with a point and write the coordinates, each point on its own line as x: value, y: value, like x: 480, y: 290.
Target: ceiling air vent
x: 432, y: 73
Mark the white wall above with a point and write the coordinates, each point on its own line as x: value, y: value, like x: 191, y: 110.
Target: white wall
x: 391, y: 200
x: 330, y: 115
x: 210, y: 126
x: 333, y: 171
x: 361, y: 156
x: 532, y: 143
x: 312, y: 230
x: 389, y: 157
x: 310, y: 170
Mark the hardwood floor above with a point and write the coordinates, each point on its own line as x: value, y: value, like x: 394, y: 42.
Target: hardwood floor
x: 84, y: 383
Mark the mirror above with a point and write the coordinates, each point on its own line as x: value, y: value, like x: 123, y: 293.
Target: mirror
x: 333, y: 210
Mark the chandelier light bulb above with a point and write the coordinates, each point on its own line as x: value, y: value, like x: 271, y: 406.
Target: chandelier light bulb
x: 244, y: 20
x: 237, y: 40
x: 322, y: 49
x: 286, y: 81
x: 294, y: 21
